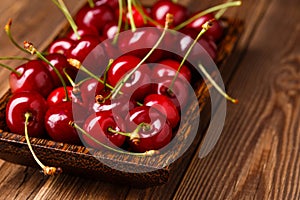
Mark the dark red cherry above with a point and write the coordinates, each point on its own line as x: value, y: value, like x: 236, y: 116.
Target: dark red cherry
x: 33, y: 77
x: 58, y: 95
x: 60, y: 62
x: 178, y: 95
x: 162, y: 7
x: 138, y: 84
x: 97, y: 126
x: 18, y: 105
x: 169, y: 68
x: 155, y: 135
x: 83, y: 47
x: 110, y: 30
x: 140, y: 42
x: 57, y: 120
x: 137, y: 16
x: 112, y: 3
x: 216, y: 30
x: 83, y: 31
x: 165, y: 106
x: 95, y: 17
x: 61, y: 45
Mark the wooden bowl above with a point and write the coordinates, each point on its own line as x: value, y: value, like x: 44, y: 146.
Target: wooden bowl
x: 110, y: 166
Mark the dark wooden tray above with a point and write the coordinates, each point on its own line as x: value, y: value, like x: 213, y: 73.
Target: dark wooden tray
x: 78, y: 160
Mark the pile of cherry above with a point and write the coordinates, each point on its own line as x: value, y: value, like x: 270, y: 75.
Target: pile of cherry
x: 148, y: 118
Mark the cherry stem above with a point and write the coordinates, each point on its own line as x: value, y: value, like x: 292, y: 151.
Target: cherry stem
x: 77, y: 64
x: 62, y: 6
x: 131, y: 19
x: 10, y: 69
x: 14, y: 58
x: 147, y: 153
x: 119, y: 85
x: 106, y: 70
x: 218, y: 88
x: 209, y: 10
x: 119, y: 21
x: 175, y: 1
x: 221, y: 12
x: 7, y: 29
x: 32, y: 50
x: 205, y: 27
x: 46, y: 169
x: 91, y: 3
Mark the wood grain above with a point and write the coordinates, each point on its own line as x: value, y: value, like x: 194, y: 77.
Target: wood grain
x: 257, y: 156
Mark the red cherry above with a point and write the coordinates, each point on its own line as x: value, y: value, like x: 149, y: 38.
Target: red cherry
x: 154, y: 137
x: 216, y: 29
x: 138, y: 84
x: 60, y: 62
x: 57, y: 120
x: 169, y: 68
x: 21, y: 103
x: 97, y: 126
x: 178, y: 95
x: 33, y: 77
x: 61, y: 45
x: 165, y: 105
x: 58, y: 95
x: 140, y: 42
x: 83, y: 31
x: 112, y: 3
x: 110, y: 30
x: 83, y: 47
x: 137, y: 17
x: 162, y: 7
x: 95, y: 17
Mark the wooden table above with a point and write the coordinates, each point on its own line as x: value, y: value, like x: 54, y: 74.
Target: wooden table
x: 258, y: 154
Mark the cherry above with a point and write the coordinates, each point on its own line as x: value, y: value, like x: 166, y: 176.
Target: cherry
x: 137, y: 16
x: 26, y: 102
x: 112, y: 3
x: 60, y: 62
x: 139, y: 83
x: 58, y: 95
x: 110, y: 30
x: 83, y: 31
x: 31, y: 76
x: 95, y: 17
x: 165, y: 105
x: 98, y: 124
x: 178, y: 94
x: 57, y: 120
x: 61, y: 45
x: 169, y: 68
x: 216, y: 29
x: 162, y: 7
x: 155, y: 134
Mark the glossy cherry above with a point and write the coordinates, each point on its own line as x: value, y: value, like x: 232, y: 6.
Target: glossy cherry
x: 112, y: 3
x: 169, y: 68
x: 57, y: 120
x: 58, y: 95
x: 137, y: 16
x: 215, y: 31
x: 156, y: 133
x: 165, y: 106
x: 61, y: 45
x: 97, y: 126
x: 162, y: 7
x: 83, y: 31
x: 33, y: 76
x: 26, y: 102
x: 138, y: 84
x: 95, y: 17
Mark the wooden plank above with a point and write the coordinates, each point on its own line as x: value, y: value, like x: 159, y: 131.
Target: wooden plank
x: 257, y: 156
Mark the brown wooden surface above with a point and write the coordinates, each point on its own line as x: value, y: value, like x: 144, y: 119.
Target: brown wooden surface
x: 257, y: 156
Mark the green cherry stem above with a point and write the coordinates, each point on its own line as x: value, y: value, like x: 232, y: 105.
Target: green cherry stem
x: 147, y: 153
x: 221, y: 12
x: 119, y: 85
x: 209, y: 10
x: 46, y: 169
x: 7, y: 29
x: 62, y: 6
x: 105, y: 72
x: 10, y: 69
x: 217, y: 87
x: 119, y: 21
x: 205, y: 27
x: 32, y: 50
x: 131, y: 19
x: 91, y: 3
